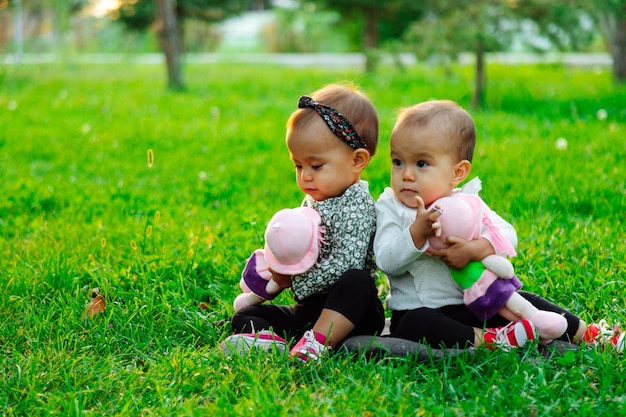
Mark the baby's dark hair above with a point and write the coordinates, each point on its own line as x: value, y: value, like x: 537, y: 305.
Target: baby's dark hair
x: 453, y: 124
x: 351, y: 103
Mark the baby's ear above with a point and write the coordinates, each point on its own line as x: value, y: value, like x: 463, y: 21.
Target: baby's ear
x: 361, y: 157
x: 461, y: 172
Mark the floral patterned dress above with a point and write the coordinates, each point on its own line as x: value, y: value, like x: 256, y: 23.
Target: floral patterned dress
x: 350, y: 224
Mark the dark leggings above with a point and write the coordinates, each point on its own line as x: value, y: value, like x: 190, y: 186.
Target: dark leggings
x: 354, y: 295
x: 452, y: 326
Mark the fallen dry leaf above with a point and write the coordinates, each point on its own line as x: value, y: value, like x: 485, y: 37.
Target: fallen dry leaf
x: 97, y: 304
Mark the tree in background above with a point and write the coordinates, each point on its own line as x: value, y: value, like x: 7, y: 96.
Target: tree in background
x: 572, y: 24
x: 378, y: 20
x: 455, y: 26
x: 608, y: 16
x: 611, y: 16
x: 308, y: 29
x: 481, y: 26
x: 168, y: 17
x: 171, y: 41
x: 37, y: 18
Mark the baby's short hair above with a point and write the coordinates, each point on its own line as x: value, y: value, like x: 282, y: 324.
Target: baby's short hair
x: 445, y: 117
x: 349, y: 101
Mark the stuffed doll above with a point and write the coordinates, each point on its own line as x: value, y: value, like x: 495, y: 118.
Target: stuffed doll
x: 489, y: 286
x: 292, y: 240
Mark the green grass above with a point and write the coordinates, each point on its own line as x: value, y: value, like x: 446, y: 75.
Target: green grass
x: 82, y: 208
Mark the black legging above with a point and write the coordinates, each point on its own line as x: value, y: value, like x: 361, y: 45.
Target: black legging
x: 452, y: 326
x: 354, y: 295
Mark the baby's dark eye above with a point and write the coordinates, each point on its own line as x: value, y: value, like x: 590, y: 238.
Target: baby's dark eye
x: 422, y: 164
x: 397, y: 163
x: 316, y: 167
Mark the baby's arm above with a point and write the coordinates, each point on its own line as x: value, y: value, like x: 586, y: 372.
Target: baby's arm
x: 394, y: 247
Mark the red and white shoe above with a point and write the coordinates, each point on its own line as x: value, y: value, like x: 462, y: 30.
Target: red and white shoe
x: 601, y: 334
x: 514, y: 334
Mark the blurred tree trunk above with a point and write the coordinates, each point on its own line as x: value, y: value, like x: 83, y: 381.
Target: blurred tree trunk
x: 370, y: 38
x: 479, y: 76
x: 170, y: 39
x: 614, y: 27
x: 18, y: 30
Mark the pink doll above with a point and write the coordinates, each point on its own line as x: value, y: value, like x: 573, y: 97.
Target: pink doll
x: 292, y: 240
x: 490, y: 286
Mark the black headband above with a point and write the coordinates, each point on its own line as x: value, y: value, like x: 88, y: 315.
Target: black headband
x: 337, y: 122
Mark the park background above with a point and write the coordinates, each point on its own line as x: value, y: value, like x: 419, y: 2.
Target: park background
x: 155, y: 192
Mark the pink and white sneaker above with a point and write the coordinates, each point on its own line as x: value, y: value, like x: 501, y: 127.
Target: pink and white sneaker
x: 312, y: 346
x: 264, y: 341
x: 601, y: 334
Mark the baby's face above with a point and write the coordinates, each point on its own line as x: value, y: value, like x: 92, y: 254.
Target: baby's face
x: 421, y: 166
x: 325, y: 165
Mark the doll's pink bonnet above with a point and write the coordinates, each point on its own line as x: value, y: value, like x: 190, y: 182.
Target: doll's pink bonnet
x: 292, y: 240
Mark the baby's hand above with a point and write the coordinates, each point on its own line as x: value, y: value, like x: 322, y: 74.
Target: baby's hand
x: 457, y: 254
x: 462, y: 251
x: 425, y: 225
x: 283, y: 281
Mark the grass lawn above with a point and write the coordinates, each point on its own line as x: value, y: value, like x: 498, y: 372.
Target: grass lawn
x: 157, y: 198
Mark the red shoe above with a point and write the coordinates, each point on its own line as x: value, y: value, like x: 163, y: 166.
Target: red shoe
x: 514, y: 334
x: 602, y: 334
x: 311, y: 347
